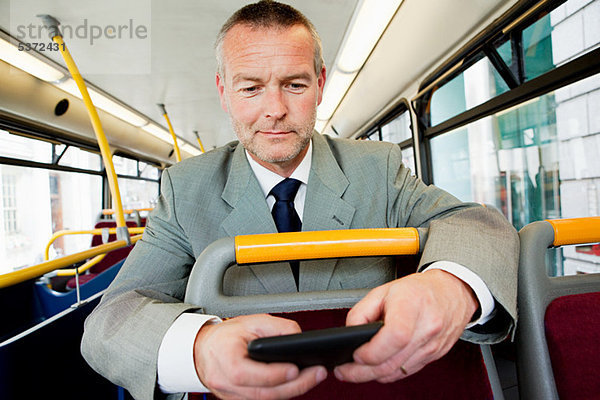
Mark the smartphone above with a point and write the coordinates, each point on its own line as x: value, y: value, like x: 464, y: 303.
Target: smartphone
x: 328, y: 347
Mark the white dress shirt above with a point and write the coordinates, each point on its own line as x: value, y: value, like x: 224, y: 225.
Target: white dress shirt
x: 176, y: 368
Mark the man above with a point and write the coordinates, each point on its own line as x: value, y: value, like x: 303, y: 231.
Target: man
x: 270, y: 81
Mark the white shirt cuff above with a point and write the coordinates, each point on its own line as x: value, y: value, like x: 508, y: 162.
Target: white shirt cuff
x: 483, y: 294
x: 176, y: 368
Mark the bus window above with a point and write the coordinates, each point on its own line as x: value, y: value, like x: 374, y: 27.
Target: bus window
x: 398, y: 129
x: 564, y: 34
x: 476, y: 85
x: 125, y: 166
x: 408, y: 158
x: 47, y: 187
x: 22, y: 148
x: 538, y: 56
x: 373, y: 134
x: 535, y: 161
x: 137, y: 193
x: 78, y: 158
x: 138, y: 182
x: 37, y: 202
x: 75, y: 200
x: 148, y: 171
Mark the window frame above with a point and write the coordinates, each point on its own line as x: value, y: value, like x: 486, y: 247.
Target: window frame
x: 520, y: 90
x: 31, y: 133
x: 402, y: 107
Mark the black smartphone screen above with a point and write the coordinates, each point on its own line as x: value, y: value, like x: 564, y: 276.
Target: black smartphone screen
x: 328, y: 347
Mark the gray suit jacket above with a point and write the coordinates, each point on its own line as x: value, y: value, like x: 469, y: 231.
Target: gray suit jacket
x: 351, y: 185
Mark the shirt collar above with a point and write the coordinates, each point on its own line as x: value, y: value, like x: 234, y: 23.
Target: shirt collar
x: 268, y: 179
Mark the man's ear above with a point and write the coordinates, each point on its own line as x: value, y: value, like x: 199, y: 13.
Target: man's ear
x: 321, y: 84
x: 221, y: 88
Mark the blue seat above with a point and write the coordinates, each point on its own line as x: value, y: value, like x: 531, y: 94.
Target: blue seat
x: 53, y: 302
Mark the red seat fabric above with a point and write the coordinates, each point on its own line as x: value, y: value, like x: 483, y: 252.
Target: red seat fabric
x: 114, y: 256
x: 461, y: 374
x: 110, y: 259
x: 572, y: 326
x: 82, y: 280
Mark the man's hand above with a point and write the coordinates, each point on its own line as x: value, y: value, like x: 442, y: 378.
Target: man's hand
x: 222, y: 363
x: 424, y: 314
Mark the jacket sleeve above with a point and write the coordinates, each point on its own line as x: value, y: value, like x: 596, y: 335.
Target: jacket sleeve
x: 123, y: 334
x: 477, y: 237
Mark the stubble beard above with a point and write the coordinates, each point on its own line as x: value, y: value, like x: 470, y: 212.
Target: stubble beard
x: 248, y: 137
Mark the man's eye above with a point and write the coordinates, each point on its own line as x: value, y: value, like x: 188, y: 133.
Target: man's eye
x: 251, y: 89
x: 296, y: 87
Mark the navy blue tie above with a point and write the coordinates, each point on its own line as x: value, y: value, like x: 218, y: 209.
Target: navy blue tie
x: 284, y: 214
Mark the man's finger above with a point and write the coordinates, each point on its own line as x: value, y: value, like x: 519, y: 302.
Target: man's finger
x: 398, y: 333
x: 267, y: 325
x: 306, y: 380
x: 369, y: 308
x: 417, y: 361
x: 254, y: 373
x: 358, y: 373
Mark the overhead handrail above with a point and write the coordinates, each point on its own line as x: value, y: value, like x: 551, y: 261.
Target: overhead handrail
x: 24, y: 274
x: 52, y: 25
x: 97, y: 231
x: 164, y: 112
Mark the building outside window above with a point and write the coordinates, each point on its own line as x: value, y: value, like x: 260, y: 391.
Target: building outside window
x: 9, y: 204
x: 539, y: 159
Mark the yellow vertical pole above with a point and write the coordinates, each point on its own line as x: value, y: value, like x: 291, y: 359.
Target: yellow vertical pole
x: 199, y: 141
x: 113, y: 184
x: 164, y: 111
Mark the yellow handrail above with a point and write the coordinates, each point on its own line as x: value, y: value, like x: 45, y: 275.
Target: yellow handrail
x: 575, y: 230
x: 177, y: 152
x: 97, y: 231
x: 97, y: 125
x: 110, y: 211
x: 82, y: 269
x: 325, y: 244
x: 22, y: 275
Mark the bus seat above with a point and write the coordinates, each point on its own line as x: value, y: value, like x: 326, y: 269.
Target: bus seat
x: 460, y: 374
x: 53, y: 302
x: 558, y: 335
x: 467, y: 371
x: 109, y: 260
x: 114, y: 256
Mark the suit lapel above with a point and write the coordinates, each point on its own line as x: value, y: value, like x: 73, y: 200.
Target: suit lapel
x: 325, y: 210
x: 250, y: 215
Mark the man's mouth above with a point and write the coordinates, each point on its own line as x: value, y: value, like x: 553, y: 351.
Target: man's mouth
x: 274, y: 133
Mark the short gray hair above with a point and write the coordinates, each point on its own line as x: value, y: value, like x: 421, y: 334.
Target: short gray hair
x: 269, y: 14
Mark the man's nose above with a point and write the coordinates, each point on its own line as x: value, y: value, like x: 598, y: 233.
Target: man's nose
x: 275, y: 106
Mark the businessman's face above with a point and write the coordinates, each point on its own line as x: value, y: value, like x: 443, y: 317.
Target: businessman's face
x: 271, y: 91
